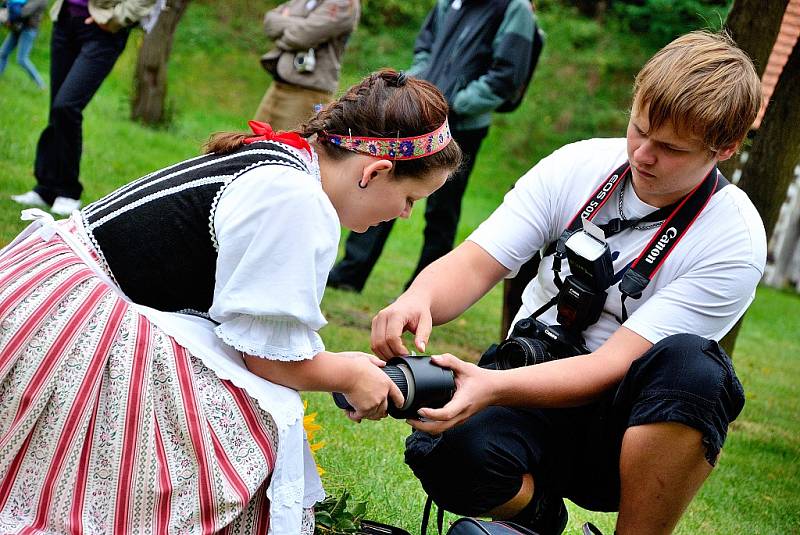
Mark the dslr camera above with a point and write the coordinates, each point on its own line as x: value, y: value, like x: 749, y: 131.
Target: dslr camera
x: 580, y: 302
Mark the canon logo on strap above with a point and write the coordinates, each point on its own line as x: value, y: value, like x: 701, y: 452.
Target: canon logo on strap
x: 662, y: 242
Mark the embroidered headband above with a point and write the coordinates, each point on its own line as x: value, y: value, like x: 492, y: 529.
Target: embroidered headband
x: 398, y: 148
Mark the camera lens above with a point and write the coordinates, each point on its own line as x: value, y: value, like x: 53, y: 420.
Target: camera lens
x: 422, y: 383
x: 401, y: 376
x: 519, y: 351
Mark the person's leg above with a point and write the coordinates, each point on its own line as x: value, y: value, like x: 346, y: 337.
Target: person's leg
x: 672, y: 457
x: 682, y: 395
x: 443, y: 208
x: 500, y: 463
x: 61, y: 144
x: 64, y: 50
x: 361, y: 252
x: 26, y: 38
x: 8, y: 46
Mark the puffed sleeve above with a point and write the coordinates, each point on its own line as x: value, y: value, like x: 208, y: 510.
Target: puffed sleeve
x: 278, y: 235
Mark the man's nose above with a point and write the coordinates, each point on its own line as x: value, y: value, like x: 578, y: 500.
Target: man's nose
x: 645, y: 154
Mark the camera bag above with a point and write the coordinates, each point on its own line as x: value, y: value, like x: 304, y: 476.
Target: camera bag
x: 475, y: 526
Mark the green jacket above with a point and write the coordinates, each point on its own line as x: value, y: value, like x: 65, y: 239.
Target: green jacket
x: 477, y: 52
x: 117, y: 14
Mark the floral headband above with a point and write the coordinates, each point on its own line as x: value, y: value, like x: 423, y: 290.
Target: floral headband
x: 398, y: 148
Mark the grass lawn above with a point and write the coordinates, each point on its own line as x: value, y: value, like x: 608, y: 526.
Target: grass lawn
x: 580, y: 90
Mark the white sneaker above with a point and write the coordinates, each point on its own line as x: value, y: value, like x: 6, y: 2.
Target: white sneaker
x: 65, y: 205
x: 30, y: 198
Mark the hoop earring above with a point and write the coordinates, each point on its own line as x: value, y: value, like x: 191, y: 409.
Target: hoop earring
x: 362, y: 186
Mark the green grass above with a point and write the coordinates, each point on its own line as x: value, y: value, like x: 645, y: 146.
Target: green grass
x: 581, y: 89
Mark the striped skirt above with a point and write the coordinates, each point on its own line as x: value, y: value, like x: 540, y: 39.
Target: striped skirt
x: 107, y: 425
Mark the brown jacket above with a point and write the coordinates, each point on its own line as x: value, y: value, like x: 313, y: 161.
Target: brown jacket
x: 295, y: 28
x: 116, y: 14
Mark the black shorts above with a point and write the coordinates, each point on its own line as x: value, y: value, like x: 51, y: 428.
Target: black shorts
x: 574, y: 452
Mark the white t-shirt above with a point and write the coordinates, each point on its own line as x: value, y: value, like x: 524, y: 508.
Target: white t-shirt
x: 278, y: 236
x: 703, y: 287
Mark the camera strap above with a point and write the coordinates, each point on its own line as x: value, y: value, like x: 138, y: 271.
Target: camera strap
x: 674, y: 227
x: 677, y: 218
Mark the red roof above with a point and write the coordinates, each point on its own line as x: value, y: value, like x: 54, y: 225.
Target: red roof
x: 787, y: 37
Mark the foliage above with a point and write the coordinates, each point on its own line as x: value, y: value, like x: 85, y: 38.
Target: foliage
x: 663, y: 20
x: 387, y: 14
x: 334, y: 518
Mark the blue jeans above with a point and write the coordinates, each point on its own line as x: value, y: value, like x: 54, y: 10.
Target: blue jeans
x: 574, y: 452
x: 24, y: 40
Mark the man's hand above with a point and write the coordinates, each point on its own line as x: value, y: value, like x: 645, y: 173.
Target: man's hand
x: 474, y: 391
x: 408, y: 313
x: 370, y: 390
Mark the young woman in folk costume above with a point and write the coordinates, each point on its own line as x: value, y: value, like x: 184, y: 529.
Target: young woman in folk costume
x: 147, y: 342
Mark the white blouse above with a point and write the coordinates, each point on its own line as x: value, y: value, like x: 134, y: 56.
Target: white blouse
x: 278, y: 236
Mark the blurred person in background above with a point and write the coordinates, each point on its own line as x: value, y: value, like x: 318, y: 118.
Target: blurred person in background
x: 22, y: 33
x: 88, y: 37
x: 310, y: 38
x: 479, y: 55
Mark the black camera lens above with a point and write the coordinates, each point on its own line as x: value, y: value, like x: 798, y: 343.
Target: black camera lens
x: 422, y: 383
x: 519, y: 351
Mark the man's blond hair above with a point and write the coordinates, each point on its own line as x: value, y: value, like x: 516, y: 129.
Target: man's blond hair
x: 704, y: 85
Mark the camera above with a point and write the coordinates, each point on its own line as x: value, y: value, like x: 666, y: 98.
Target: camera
x: 305, y: 61
x: 422, y: 383
x: 532, y: 342
x: 580, y: 302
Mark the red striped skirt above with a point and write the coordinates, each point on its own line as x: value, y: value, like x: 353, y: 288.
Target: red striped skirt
x: 107, y: 425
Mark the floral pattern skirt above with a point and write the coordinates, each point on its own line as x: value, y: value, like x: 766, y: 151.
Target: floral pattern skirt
x: 107, y: 425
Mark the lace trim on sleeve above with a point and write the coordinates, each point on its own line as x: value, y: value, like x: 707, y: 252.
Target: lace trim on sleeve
x: 272, y: 338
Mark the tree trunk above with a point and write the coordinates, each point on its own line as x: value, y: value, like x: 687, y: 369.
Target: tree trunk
x: 754, y: 25
x: 773, y: 156
x: 150, y: 81
x: 776, y: 147
x: 512, y: 293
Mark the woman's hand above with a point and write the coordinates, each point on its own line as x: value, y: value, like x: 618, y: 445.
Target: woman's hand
x: 370, y: 390
x: 408, y: 313
x: 475, y: 390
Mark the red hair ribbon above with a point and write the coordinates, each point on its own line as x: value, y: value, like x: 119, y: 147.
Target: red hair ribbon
x: 264, y: 132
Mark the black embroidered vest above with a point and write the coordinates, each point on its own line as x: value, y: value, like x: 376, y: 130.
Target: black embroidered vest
x: 157, y: 234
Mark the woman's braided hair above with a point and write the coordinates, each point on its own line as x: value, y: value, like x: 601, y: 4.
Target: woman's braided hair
x: 385, y: 104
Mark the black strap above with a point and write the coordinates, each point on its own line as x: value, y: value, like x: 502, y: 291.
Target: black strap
x: 677, y: 217
x: 669, y: 233
x: 426, y: 515
x: 600, y: 196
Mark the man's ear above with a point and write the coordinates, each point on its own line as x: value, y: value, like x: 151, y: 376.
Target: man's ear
x: 726, y: 152
x: 373, y: 170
